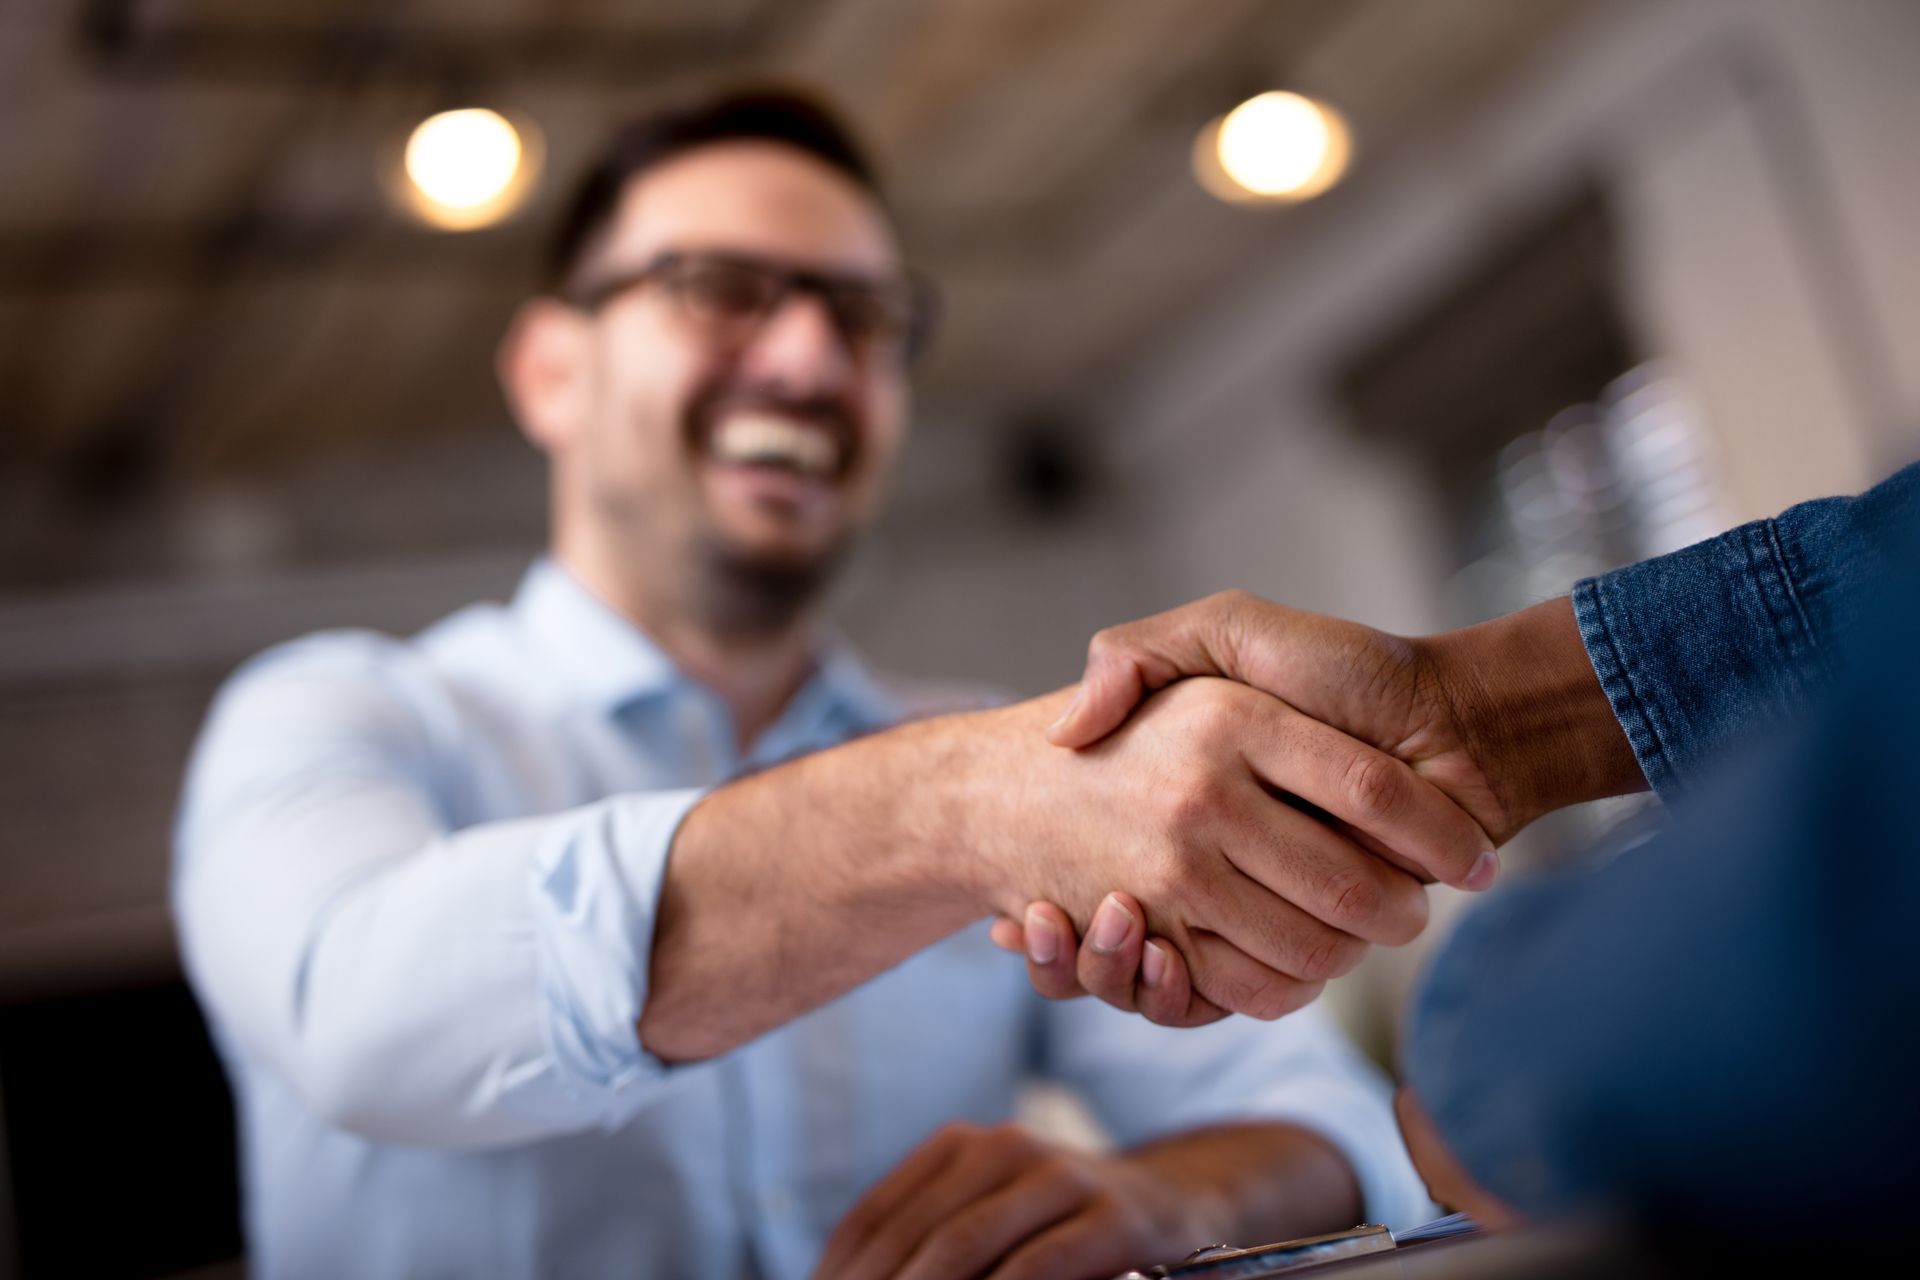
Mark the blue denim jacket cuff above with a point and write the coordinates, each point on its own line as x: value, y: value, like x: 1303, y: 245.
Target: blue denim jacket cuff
x: 1696, y: 649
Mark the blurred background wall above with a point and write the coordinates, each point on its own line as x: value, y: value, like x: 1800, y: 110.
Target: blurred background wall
x: 1604, y: 276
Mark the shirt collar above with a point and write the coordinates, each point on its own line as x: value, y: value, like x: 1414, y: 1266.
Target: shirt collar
x: 613, y: 663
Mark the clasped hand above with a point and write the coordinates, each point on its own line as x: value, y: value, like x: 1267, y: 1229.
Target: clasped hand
x: 1354, y: 784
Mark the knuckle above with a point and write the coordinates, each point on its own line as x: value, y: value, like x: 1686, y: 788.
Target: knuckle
x: 1353, y: 898
x: 1330, y: 956
x: 1219, y: 712
x: 1105, y: 641
x: 1252, y: 995
x: 1193, y: 799
x: 1277, y: 996
x: 1228, y: 601
x: 1371, y: 784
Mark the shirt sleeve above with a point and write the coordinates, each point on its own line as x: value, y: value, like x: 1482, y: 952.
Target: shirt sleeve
x: 415, y: 983
x: 1698, y: 650
x: 1146, y: 1081
x: 1708, y: 1030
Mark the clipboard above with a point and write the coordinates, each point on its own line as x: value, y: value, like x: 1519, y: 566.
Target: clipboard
x: 1223, y: 1262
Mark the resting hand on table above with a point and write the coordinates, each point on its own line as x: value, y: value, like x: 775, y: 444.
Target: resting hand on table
x: 1002, y: 1203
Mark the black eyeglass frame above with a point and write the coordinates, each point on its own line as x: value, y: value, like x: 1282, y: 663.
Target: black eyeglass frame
x: 921, y: 298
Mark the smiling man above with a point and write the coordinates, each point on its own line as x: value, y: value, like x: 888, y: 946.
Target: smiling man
x: 529, y: 955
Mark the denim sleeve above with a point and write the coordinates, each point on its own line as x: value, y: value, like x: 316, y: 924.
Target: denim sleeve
x: 1712, y: 1029
x: 1698, y: 650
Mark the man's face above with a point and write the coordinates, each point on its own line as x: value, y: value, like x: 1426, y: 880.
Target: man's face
x: 767, y: 443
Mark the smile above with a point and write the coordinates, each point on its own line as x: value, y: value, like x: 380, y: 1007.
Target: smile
x: 770, y: 440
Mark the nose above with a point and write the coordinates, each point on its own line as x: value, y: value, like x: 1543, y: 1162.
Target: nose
x: 800, y: 348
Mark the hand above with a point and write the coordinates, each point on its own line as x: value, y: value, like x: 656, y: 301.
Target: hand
x: 1506, y: 718
x: 1002, y: 1203
x: 1448, y: 1184
x: 1263, y: 903
x: 1129, y: 970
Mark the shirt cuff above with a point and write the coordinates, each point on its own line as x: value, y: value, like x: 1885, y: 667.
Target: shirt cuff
x: 595, y: 894
x: 1698, y: 649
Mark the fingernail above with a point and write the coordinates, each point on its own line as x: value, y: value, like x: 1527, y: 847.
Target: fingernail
x: 1483, y: 873
x: 1110, y: 925
x: 1078, y: 695
x: 1153, y: 965
x: 1043, y: 941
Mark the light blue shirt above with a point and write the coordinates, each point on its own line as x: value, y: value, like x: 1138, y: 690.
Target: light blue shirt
x: 416, y: 883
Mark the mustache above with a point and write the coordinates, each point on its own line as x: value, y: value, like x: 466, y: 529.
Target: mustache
x: 708, y: 407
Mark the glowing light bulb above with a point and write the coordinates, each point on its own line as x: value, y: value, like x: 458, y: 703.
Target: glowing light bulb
x: 465, y: 168
x: 1273, y: 147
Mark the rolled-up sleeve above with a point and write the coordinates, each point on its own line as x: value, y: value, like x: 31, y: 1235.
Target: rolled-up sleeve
x: 1699, y: 649
x: 1146, y: 1081
x: 415, y: 983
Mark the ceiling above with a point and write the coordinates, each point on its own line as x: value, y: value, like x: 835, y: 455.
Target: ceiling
x: 205, y: 292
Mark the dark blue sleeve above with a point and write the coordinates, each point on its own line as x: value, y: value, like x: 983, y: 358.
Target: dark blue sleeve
x: 1701, y: 649
x: 1714, y: 1028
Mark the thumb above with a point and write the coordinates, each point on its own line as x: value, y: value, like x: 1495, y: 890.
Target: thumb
x: 1109, y: 691
x: 1126, y: 663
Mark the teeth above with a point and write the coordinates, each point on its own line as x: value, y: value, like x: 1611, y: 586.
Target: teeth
x: 764, y: 440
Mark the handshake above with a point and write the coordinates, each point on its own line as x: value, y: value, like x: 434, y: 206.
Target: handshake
x: 1241, y: 797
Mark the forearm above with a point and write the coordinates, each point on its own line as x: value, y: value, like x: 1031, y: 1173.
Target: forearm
x: 788, y: 888
x: 1526, y: 697
x: 1255, y: 1183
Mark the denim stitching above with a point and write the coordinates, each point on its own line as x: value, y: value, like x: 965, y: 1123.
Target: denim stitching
x: 1618, y: 674
x: 1783, y: 564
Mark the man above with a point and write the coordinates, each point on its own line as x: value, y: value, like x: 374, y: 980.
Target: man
x: 1704, y: 1034
x: 507, y: 986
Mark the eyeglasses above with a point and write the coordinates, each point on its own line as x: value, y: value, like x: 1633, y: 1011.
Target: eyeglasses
x: 731, y: 295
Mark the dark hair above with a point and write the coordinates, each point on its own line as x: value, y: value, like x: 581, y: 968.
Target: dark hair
x: 779, y: 115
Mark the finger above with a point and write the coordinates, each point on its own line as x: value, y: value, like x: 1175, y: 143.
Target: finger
x: 1369, y: 789
x: 884, y: 1197
x: 985, y: 1163
x: 1278, y: 933
x: 1110, y: 956
x: 984, y: 1232
x: 1052, y: 947
x: 1332, y: 879
x: 1166, y: 994
x: 1234, y: 981
x: 1008, y: 935
x: 1085, y: 1244
x: 1126, y: 662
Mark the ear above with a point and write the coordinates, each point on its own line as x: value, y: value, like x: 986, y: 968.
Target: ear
x: 543, y: 366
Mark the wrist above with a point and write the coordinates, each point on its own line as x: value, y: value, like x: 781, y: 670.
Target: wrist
x: 1532, y: 713
x: 925, y: 787
x: 982, y: 769
x: 1247, y: 1183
